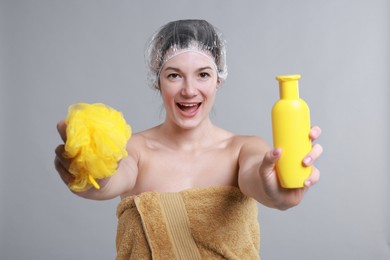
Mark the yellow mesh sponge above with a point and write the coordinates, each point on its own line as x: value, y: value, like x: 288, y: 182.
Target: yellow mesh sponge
x: 96, y: 140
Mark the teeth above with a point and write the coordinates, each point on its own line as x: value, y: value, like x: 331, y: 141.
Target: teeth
x: 188, y: 105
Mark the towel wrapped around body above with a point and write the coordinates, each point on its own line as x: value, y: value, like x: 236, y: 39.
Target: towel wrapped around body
x: 203, y: 223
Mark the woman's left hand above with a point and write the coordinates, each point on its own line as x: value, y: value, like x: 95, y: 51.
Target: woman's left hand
x: 278, y: 196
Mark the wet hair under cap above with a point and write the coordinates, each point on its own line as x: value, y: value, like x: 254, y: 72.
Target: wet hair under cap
x: 197, y: 35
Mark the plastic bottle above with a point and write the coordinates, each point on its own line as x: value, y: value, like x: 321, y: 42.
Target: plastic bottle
x: 290, y: 128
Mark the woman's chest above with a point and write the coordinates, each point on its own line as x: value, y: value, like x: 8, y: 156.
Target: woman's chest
x: 172, y: 171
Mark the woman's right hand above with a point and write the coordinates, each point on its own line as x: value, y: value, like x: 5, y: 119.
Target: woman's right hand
x: 61, y: 163
x: 122, y: 181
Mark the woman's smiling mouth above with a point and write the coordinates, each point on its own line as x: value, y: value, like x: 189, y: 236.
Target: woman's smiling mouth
x: 189, y: 108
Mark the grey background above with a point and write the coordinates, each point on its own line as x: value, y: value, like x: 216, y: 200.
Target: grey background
x: 55, y: 53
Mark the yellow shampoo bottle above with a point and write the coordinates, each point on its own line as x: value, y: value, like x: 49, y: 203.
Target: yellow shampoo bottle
x: 290, y: 128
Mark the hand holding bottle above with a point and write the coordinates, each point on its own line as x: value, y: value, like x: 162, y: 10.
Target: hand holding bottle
x: 284, y: 198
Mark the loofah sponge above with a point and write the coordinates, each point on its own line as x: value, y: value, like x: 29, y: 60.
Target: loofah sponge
x: 96, y: 140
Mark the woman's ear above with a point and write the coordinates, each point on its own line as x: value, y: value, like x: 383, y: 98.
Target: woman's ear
x: 219, y: 82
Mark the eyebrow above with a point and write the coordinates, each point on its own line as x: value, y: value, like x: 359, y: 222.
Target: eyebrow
x: 177, y: 69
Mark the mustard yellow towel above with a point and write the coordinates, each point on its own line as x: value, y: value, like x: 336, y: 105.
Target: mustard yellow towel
x: 205, y: 223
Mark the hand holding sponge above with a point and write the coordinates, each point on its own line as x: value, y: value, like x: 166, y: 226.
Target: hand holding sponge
x: 97, y: 136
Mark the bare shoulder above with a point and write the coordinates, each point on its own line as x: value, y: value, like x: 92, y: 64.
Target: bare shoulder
x: 138, y: 144
x: 251, y: 142
x: 243, y: 143
x: 140, y: 139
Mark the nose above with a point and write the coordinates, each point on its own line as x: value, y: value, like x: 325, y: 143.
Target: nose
x: 189, y: 88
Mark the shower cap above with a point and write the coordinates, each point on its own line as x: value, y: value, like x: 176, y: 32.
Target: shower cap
x: 181, y: 36
x: 96, y: 138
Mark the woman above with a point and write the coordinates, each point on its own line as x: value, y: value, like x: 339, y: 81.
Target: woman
x: 189, y: 188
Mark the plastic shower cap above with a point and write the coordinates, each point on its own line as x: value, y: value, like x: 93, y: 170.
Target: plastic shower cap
x: 96, y: 140
x: 185, y: 35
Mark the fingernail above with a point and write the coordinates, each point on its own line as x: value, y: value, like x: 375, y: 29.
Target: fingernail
x: 276, y: 152
x: 308, y: 183
x: 307, y: 160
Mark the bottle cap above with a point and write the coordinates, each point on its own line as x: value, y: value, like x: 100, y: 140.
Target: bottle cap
x: 288, y: 77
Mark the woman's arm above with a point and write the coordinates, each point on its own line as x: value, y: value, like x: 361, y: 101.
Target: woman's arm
x: 258, y: 179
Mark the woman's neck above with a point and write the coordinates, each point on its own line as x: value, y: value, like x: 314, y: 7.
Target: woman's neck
x: 188, y: 139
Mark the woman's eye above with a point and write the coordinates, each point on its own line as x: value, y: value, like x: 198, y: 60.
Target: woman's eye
x: 173, y: 76
x: 204, y: 75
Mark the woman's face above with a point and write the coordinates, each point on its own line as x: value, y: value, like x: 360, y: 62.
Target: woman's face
x: 188, y: 84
